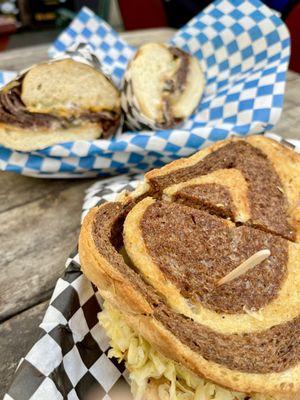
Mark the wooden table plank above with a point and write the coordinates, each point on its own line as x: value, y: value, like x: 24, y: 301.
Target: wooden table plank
x: 36, y: 239
x: 16, y: 337
x: 17, y: 190
x: 289, y: 123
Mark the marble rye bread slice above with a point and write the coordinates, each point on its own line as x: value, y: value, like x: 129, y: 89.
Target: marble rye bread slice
x: 188, y: 226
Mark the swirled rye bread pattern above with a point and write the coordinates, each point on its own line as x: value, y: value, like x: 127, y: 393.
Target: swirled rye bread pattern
x: 189, y: 225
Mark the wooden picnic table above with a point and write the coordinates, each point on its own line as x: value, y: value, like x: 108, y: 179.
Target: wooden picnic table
x: 40, y: 221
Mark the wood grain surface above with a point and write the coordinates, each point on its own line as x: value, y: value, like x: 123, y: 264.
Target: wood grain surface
x: 35, y: 238
x: 289, y: 123
x: 40, y: 219
x: 16, y: 338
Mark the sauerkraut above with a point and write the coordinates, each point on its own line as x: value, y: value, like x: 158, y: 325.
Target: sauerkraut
x: 144, y: 363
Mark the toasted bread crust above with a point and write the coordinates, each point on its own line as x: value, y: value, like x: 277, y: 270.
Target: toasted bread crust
x: 66, y: 85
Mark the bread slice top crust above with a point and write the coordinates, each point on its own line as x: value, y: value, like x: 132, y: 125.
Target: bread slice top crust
x: 67, y: 87
x: 198, y: 250
x: 260, y: 177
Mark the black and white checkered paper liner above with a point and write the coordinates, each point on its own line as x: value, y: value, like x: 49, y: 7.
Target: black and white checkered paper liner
x: 243, y: 48
x: 69, y: 360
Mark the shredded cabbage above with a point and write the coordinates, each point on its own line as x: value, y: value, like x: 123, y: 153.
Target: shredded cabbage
x: 144, y: 363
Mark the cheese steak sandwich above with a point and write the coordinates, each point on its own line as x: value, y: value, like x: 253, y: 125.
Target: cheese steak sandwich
x: 200, y: 272
x: 162, y: 87
x: 57, y: 102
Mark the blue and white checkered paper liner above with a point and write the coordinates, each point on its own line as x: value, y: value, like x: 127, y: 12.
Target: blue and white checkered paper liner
x: 69, y: 360
x: 244, y: 50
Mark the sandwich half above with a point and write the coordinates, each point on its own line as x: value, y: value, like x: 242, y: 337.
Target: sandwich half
x: 162, y: 87
x: 57, y: 102
x: 199, y: 270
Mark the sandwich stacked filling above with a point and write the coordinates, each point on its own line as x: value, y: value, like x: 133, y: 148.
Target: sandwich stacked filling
x: 194, y: 222
x: 13, y: 111
x: 57, y: 102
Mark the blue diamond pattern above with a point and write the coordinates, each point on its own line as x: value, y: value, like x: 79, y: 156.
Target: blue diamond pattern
x: 232, y: 67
